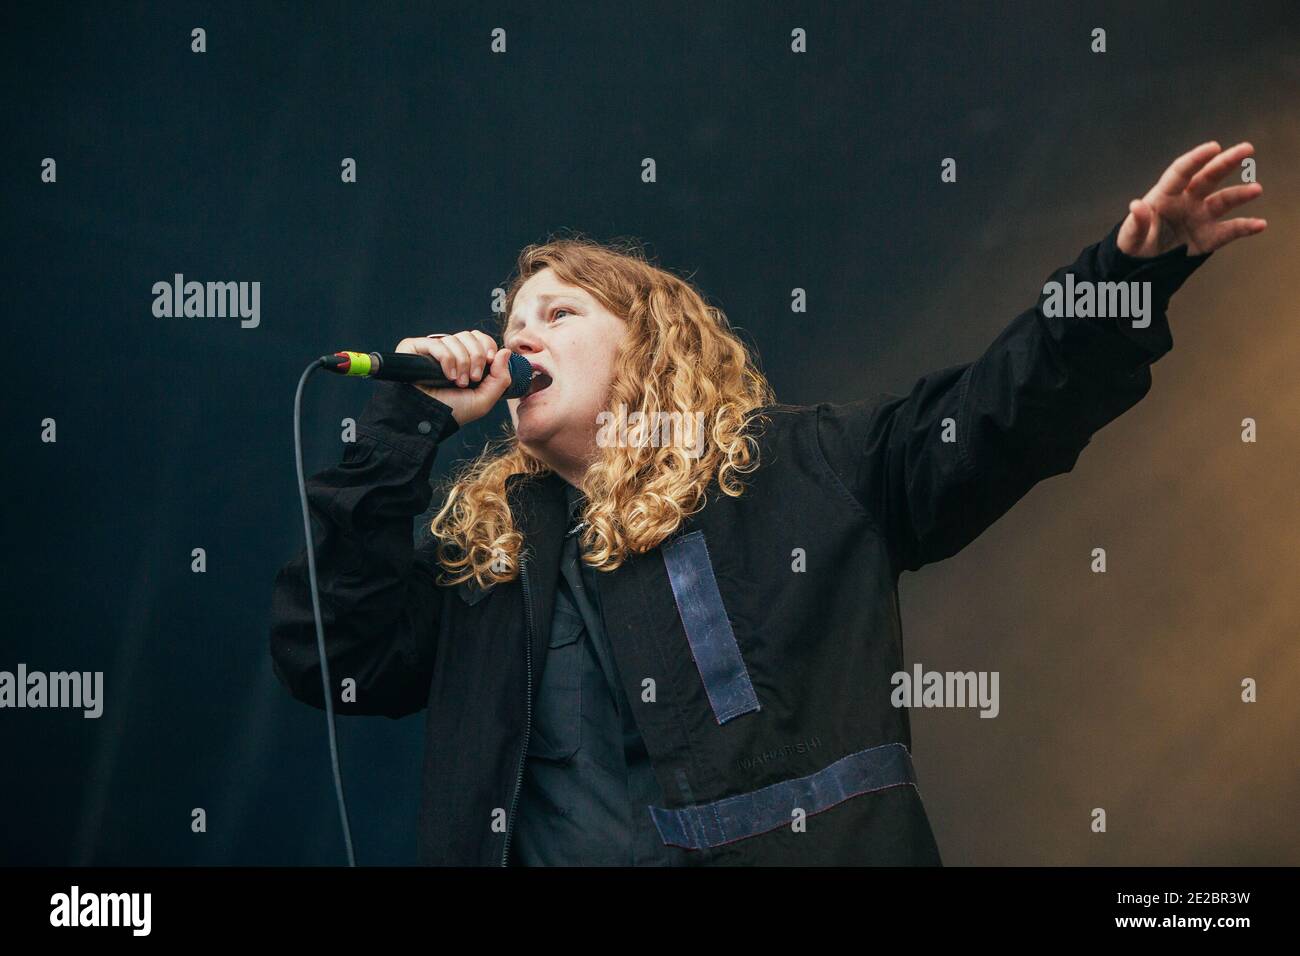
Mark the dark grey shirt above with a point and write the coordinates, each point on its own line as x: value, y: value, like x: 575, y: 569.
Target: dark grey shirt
x: 588, y: 778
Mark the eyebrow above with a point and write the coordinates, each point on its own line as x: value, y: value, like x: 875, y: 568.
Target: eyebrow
x: 545, y: 298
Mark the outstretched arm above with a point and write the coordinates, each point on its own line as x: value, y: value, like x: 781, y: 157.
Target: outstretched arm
x: 934, y: 468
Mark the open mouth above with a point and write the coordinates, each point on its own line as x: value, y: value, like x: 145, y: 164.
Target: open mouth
x: 541, y: 382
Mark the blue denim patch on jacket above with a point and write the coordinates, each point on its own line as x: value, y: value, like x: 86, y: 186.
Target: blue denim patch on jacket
x: 717, y: 655
x: 748, y: 814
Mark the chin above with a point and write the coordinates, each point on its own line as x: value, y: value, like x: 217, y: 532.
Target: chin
x: 535, y: 426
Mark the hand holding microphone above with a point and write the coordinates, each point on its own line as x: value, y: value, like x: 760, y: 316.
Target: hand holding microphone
x: 466, y: 358
x: 467, y: 370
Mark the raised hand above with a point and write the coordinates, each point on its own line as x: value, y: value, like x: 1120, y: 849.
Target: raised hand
x: 1184, y: 207
x: 466, y: 358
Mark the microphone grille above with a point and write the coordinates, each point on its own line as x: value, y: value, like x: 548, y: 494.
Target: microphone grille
x: 521, y: 376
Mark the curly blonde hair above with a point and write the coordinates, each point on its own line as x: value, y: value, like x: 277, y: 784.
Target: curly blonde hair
x: 680, y: 356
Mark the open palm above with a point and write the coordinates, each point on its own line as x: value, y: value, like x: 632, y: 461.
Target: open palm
x: 1184, y: 207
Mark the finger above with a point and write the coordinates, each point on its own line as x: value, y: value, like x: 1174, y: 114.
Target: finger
x: 437, y: 348
x: 457, y: 348
x: 1180, y: 171
x: 413, y: 346
x: 473, y: 354
x: 1232, y: 197
x: 499, y: 373
x: 478, y: 354
x: 1137, y: 226
x: 1226, y: 232
x: 489, y: 343
x: 1203, y: 183
x: 496, y: 381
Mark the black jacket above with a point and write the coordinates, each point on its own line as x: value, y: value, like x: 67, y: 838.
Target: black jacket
x: 762, y: 691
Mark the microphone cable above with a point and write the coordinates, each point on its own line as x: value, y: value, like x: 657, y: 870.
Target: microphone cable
x: 395, y: 367
x: 315, y: 608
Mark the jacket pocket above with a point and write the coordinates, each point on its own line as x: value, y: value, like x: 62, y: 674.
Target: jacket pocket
x: 557, y: 731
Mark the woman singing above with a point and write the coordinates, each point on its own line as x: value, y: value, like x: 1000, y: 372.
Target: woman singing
x: 657, y: 624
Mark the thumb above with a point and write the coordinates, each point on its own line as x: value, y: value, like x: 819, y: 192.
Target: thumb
x: 498, y: 380
x: 1137, y: 226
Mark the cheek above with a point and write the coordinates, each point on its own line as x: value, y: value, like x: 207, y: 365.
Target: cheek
x: 585, y: 395
x: 592, y: 392
x: 600, y: 362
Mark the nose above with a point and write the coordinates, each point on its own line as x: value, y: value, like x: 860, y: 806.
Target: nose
x: 523, y: 341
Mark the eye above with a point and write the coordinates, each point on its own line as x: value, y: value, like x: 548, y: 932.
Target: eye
x: 558, y: 309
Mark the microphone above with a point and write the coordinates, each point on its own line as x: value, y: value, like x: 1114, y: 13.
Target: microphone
x: 408, y: 367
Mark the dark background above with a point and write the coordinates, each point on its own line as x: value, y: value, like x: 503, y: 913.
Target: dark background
x: 775, y: 170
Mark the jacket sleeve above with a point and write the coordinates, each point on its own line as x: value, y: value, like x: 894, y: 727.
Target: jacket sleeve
x: 379, y: 600
x: 937, y: 466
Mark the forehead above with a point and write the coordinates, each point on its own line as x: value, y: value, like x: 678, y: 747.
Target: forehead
x: 541, y: 289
